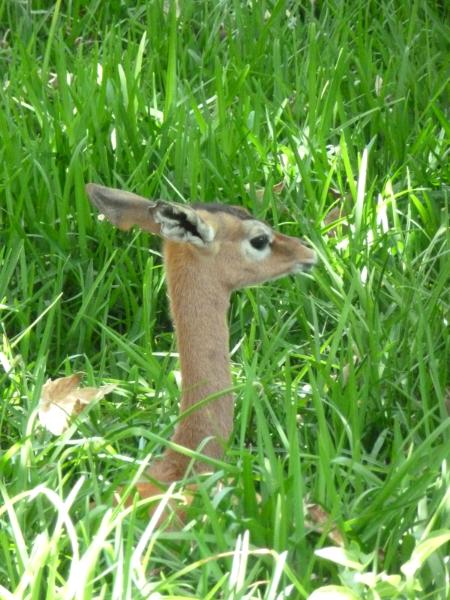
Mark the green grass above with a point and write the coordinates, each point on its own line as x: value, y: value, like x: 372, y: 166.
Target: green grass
x: 342, y: 377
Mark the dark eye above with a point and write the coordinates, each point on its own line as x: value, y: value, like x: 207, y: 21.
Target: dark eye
x: 260, y: 242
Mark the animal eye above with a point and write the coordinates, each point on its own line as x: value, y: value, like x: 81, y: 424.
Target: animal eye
x: 260, y: 242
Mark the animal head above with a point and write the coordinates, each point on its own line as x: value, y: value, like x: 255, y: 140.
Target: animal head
x: 226, y: 241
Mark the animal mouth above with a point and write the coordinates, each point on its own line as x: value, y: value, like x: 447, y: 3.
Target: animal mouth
x: 305, y: 266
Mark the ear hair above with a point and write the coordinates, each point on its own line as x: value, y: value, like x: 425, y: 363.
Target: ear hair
x: 183, y: 224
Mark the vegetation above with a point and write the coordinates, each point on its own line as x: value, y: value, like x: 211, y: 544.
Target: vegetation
x: 341, y: 381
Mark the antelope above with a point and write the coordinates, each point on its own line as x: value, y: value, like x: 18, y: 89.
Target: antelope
x: 209, y: 250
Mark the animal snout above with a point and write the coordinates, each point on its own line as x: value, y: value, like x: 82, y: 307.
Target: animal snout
x: 309, y: 255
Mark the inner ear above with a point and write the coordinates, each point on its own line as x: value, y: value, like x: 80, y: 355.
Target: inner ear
x: 183, y: 224
x: 182, y: 219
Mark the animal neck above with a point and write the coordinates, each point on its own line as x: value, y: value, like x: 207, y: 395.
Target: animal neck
x: 199, y: 313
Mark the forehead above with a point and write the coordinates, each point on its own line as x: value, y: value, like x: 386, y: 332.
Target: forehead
x: 231, y: 222
x: 235, y: 211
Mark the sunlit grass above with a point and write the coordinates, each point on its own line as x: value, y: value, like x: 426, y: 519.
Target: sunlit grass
x: 341, y: 377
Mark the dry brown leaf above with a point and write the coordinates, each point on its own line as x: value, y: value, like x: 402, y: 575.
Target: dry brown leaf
x: 62, y: 399
x: 259, y: 192
x: 333, y: 215
x: 278, y: 187
x: 321, y: 522
x: 337, y: 213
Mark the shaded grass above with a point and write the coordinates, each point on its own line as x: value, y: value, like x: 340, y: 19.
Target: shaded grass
x: 342, y: 389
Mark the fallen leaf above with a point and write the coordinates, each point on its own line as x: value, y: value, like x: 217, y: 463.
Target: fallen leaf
x: 333, y: 215
x: 259, y: 192
x: 62, y: 399
x: 336, y: 214
x: 320, y: 521
x: 278, y: 187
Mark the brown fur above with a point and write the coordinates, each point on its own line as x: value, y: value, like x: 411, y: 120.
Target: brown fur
x: 200, y: 280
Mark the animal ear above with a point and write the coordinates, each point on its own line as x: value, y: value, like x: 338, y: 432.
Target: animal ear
x: 123, y: 209
x: 174, y: 222
x: 181, y: 223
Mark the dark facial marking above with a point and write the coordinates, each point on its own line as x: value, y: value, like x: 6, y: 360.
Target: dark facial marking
x: 182, y: 220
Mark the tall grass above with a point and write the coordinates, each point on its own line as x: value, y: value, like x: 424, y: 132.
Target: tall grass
x: 341, y: 377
